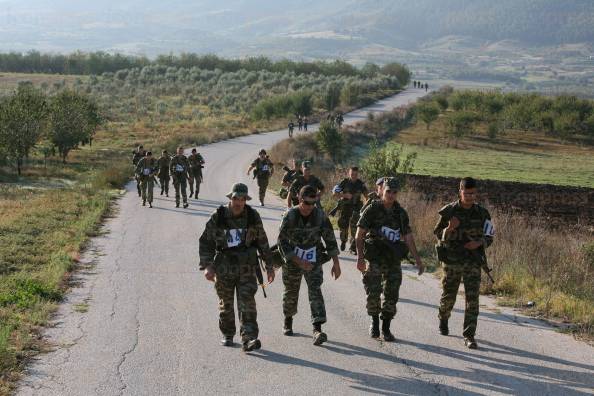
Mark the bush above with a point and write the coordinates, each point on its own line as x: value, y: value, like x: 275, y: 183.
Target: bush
x: 329, y: 140
x: 389, y: 160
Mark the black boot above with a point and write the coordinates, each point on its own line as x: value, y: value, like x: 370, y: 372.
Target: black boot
x: 319, y: 337
x: 443, y: 327
x: 388, y: 336
x: 288, y: 327
x: 227, y: 341
x: 342, y: 246
x: 251, y: 345
x: 374, y: 330
x: 470, y: 342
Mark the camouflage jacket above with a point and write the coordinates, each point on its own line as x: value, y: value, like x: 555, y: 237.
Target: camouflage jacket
x: 475, y: 225
x: 146, y: 168
x: 179, y: 166
x: 355, y: 188
x: 263, y: 168
x: 300, y: 182
x: 163, y: 165
x: 372, y: 196
x: 195, y: 161
x: 299, y: 236
x: 137, y: 156
x: 290, y: 176
x: 233, y: 234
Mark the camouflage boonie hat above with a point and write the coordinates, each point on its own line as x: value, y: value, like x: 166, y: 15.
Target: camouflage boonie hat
x: 239, y: 190
x: 391, y: 184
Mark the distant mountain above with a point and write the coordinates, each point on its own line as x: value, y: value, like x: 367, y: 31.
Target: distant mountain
x: 297, y: 28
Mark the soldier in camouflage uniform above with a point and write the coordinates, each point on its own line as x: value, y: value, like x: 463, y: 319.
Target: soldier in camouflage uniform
x: 146, y: 169
x: 138, y: 154
x: 263, y: 169
x: 384, y: 237
x: 229, y: 249
x: 178, y: 168
x: 349, y: 191
x: 196, y: 162
x: 306, y: 179
x: 300, y: 243
x: 163, y: 165
x: 464, y: 231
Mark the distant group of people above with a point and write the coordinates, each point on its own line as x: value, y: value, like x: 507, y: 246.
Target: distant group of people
x: 420, y: 85
x: 302, y: 124
x: 180, y: 169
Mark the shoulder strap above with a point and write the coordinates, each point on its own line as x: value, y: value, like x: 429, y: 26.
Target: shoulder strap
x: 221, y: 220
x: 251, y: 216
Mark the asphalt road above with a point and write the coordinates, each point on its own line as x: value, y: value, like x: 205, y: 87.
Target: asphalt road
x: 143, y: 321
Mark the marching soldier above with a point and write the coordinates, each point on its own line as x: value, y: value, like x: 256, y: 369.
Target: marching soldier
x: 196, y: 162
x: 146, y: 169
x: 163, y: 165
x: 374, y: 195
x: 229, y: 249
x: 306, y: 179
x: 302, y: 231
x: 138, y: 154
x: 384, y: 238
x: 349, y: 192
x: 178, y: 168
x: 263, y: 169
x: 464, y: 231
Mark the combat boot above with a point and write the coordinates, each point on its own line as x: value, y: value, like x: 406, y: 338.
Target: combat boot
x: 288, y: 327
x: 342, y: 246
x: 319, y: 337
x: 143, y: 202
x: 251, y: 345
x: 470, y: 342
x: 374, y: 330
x: 161, y: 191
x: 388, y: 336
x: 150, y: 204
x: 185, y: 205
x: 227, y: 341
x: 443, y: 327
x: 177, y: 204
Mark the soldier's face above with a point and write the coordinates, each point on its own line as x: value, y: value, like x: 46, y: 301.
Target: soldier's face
x: 307, y: 205
x: 306, y: 171
x: 180, y: 151
x: 354, y: 175
x: 389, y: 196
x: 237, y: 204
x: 468, y: 196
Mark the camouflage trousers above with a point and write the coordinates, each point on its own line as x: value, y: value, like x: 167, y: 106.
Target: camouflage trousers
x: 164, y: 182
x: 382, y: 277
x: 237, y: 280
x: 146, y: 188
x: 262, y: 186
x: 347, y: 221
x: 195, y: 180
x: 470, y: 274
x: 292, y: 280
x: 180, y: 187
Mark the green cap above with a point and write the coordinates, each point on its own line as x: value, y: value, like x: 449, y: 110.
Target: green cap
x: 239, y: 190
x: 391, y: 184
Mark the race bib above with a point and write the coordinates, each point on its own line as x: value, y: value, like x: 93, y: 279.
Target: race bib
x: 146, y: 171
x: 265, y: 168
x: 390, y: 234
x: 234, y: 237
x: 179, y: 168
x: 308, y: 255
x: 488, y: 228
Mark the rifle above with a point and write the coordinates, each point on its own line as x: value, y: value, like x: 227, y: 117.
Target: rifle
x: 481, y: 258
x: 340, y: 202
x: 260, y: 276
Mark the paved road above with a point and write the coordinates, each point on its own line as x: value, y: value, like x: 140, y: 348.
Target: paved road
x: 151, y: 325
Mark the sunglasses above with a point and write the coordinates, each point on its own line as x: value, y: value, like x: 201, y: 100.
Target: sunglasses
x: 310, y: 203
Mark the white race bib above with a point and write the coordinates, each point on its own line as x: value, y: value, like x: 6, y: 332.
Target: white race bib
x: 146, y: 171
x: 179, y: 168
x: 390, y: 234
x: 234, y: 237
x: 265, y: 168
x: 488, y: 228
x: 307, y: 255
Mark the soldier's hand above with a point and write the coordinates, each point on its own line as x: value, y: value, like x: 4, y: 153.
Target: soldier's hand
x: 473, y: 245
x: 420, y: 266
x: 336, y: 271
x: 271, y: 275
x: 454, y: 223
x: 361, y: 264
x: 209, y: 273
x: 347, y: 195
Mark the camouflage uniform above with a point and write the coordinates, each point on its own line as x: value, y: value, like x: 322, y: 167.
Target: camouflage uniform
x: 290, y: 176
x: 372, y: 196
x: 178, y: 168
x: 350, y: 210
x: 137, y: 156
x: 297, y: 235
x: 300, y: 182
x: 384, y: 273
x: 163, y: 165
x: 146, y: 169
x: 263, y: 170
x: 461, y: 264
x: 231, y: 245
x: 195, y: 172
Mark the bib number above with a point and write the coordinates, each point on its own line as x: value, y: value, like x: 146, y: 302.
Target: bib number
x: 489, y: 228
x: 265, y: 168
x: 234, y: 237
x: 390, y: 234
x: 179, y: 168
x: 146, y: 171
x: 308, y: 255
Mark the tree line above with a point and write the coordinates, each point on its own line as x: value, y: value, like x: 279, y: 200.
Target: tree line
x: 28, y: 118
